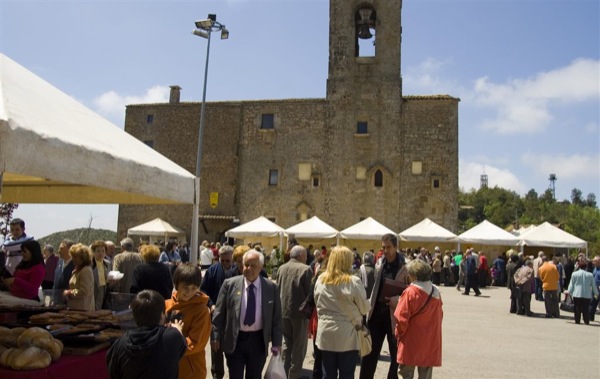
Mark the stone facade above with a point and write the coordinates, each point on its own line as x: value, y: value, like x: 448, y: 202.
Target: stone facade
x: 365, y: 150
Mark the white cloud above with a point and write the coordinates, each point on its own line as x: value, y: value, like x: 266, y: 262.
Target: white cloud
x: 112, y: 104
x: 525, y: 105
x: 576, y: 166
x: 519, y: 106
x: 428, y: 77
x: 470, y: 175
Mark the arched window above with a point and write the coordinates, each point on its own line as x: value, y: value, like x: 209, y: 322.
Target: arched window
x: 378, y: 178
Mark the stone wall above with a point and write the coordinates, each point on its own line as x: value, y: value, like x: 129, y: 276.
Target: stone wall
x: 325, y: 166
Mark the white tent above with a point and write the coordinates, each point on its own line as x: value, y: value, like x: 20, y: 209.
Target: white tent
x: 157, y: 228
x: 259, y: 227
x: 523, y: 230
x: 55, y: 150
x: 549, y: 235
x: 367, y: 229
x: 486, y: 233
x: 427, y: 231
x: 313, y: 228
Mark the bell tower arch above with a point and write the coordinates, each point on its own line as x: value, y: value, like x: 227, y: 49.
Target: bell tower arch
x: 364, y: 46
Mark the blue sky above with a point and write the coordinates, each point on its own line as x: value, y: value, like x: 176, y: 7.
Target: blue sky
x: 527, y: 73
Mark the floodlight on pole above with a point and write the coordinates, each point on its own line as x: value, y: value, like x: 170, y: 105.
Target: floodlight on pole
x: 204, y: 29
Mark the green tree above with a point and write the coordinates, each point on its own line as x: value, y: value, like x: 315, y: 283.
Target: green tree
x: 6, y: 215
x: 576, y: 196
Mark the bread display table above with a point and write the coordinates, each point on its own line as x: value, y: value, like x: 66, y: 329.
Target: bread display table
x: 91, y: 366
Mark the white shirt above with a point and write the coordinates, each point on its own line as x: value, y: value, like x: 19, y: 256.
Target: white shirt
x: 258, y: 324
x: 206, y: 257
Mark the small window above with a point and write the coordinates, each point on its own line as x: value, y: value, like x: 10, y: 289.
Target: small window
x: 378, y: 178
x: 417, y: 167
x: 267, y: 121
x: 315, y: 181
x: 150, y: 143
x: 435, y: 183
x: 273, y: 177
x: 362, y: 127
x: 304, y: 170
x: 150, y: 119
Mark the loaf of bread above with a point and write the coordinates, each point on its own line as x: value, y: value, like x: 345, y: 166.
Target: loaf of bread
x: 30, y: 358
x: 41, y: 338
x: 28, y: 336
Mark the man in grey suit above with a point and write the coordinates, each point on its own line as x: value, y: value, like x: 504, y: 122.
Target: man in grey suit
x: 246, y: 318
x: 294, y: 281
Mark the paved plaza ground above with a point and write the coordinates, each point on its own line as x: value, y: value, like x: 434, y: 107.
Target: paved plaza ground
x: 481, y: 339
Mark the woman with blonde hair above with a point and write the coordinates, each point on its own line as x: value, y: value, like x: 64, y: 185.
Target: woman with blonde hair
x: 80, y: 294
x: 152, y: 275
x: 341, y: 302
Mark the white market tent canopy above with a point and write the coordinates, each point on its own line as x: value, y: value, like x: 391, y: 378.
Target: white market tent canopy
x: 312, y: 228
x: 157, y: 228
x: 367, y: 229
x: 427, y: 231
x: 549, y: 235
x: 259, y: 227
x: 486, y: 233
x: 55, y: 150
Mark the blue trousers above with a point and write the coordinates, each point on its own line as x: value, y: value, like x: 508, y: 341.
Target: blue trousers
x: 339, y: 364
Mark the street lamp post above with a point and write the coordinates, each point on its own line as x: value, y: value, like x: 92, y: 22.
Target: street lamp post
x: 204, y: 29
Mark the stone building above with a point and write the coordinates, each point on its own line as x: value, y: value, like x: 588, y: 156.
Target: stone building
x: 364, y: 150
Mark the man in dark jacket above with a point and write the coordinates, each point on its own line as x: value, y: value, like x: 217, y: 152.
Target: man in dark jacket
x: 471, y: 274
x: 151, y: 350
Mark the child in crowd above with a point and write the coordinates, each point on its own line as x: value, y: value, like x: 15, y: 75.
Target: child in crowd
x: 190, y: 305
x: 151, y: 350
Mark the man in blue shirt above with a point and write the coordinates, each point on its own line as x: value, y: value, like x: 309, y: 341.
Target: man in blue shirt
x: 500, y: 267
x: 596, y: 273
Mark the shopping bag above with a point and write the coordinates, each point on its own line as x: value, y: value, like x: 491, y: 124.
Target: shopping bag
x: 275, y: 369
x: 365, y: 344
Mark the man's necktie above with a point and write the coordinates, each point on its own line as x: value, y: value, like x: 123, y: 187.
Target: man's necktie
x: 250, y: 306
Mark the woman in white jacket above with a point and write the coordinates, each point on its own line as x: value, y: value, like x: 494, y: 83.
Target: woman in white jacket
x: 581, y: 289
x: 338, y: 293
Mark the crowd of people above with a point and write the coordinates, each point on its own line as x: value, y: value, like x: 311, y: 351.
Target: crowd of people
x: 245, y: 314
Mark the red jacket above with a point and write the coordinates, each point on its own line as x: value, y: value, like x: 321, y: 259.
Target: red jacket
x: 28, y: 281
x: 419, y: 333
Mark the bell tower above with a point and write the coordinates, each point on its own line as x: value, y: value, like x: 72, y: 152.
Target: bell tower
x: 364, y: 48
x: 364, y: 127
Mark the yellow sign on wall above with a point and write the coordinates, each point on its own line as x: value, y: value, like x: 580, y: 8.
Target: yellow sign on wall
x: 214, y: 199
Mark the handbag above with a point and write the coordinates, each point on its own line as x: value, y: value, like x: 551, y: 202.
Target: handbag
x: 307, y: 307
x: 365, y: 343
x: 567, y: 305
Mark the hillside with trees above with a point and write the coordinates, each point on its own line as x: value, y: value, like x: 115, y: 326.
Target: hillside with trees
x: 580, y: 217
x: 84, y: 235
